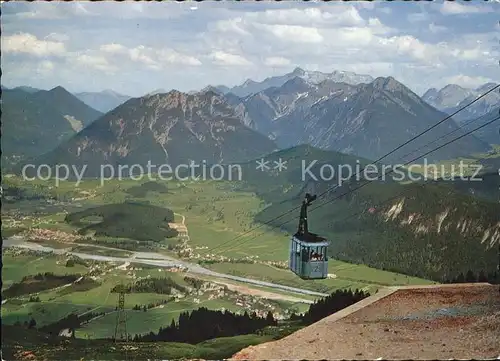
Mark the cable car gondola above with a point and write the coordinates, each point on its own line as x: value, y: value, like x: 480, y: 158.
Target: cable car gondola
x: 308, y: 251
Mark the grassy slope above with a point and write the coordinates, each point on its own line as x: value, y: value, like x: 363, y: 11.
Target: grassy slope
x: 16, y: 341
x: 427, y: 247
x: 201, y: 203
x: 58, y: 303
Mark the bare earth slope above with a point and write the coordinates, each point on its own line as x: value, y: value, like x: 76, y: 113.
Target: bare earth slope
x: 431, y: 322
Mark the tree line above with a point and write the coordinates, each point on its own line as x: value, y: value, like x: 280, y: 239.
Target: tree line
x: 37, y: 283
x: 163, y: 285
x: 71, y: 322
x: 481, y: 277
x: 204, y: 324
x: 149, y: 305
x: 327, y: 306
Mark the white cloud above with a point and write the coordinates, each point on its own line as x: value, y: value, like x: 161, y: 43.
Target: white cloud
x: 455, y: 8
x: 49, y: 12
x: 113, y: 48
x: 376, y: 27
x: 294, y: 33
x: 143, y: 55
x: 173, y: 57
x: 94, y: 62
x: 57, y: 37
x: 365, y: 5
x: 45, y: 68
x: 312, y: 17
x: 223, y: 58
x: 370, y: 42
x: 372, y: 68
x: 52, y: 11
x: 436, y: 28
x: 30, y: 44
x: 155, y: 59
x: 235, y: 26
x: 129, y: 39
x: 277, y: 61
x: 417, y: 17
x: 342, y: 16
x: 409, y: 45
x: 107, y: 9
x: 468, y: 81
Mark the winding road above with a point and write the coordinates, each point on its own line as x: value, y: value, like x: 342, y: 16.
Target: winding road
x: 155, y: 259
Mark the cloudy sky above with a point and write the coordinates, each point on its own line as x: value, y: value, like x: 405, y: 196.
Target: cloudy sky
x: 134, y: 48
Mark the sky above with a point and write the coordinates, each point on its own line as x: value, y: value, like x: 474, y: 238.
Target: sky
x: 136, y: 47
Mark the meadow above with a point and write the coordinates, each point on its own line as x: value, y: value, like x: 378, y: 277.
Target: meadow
x: 346, y: 276
x: 44, y: 347
x: 220, y: 223
x: 219, y: 220
x: 58, y: 303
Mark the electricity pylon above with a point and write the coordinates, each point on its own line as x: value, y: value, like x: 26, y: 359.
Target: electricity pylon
x: 121, y: 318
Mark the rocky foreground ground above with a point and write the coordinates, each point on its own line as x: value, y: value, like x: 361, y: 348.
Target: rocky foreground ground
x: 431, y: 322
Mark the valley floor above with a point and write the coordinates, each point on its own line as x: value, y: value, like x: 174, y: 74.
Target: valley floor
x: 238, y: 276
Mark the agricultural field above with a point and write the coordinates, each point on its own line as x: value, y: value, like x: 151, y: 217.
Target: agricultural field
x: 344, y: 276
x: 219, y: 222
x: 202, y: 223
x: 42, y: 346
x: 96, y: 294
x: 17, y: 265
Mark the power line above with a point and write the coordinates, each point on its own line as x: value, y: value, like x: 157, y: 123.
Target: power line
x: 378, y: 160
x: 400, y: 194
x: 329, y: 291
x: 423, y: 155
x: 364, y: 184
x: 470, y: 121
x: 443, y: 145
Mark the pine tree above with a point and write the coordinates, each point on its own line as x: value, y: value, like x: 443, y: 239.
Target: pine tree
x: 460, y: 278
x: 469, y: 277
x: 32, y: 323
x: 270, y: 318
x: 482, y: 277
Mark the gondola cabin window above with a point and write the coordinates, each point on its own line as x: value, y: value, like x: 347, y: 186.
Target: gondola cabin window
x: 308, y: 251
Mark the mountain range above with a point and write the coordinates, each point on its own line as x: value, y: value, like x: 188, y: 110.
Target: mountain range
x: 367, y: 120
x: 173, y: 128
x: 314, y: 77
x: 340, y: 111
x: 453, y: 97
x: 430, y: 229
x: 103, y: 101
x: 35, y: 121
x: 490, y: 133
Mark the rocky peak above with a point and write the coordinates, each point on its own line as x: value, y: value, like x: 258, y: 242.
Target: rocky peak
x: 295, y: 84
x: 430, y: 93
x: 452, y: 88
x: 298, y: 72
x: 249, y: 82
x: 486, y: 87
x: 207, y: 89
x: 59, y: 91
x: 388, y: 84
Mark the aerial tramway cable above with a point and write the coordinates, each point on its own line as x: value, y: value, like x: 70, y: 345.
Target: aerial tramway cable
x: 402, y: 193
x: 385, y: 156
x: 368, y: 182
